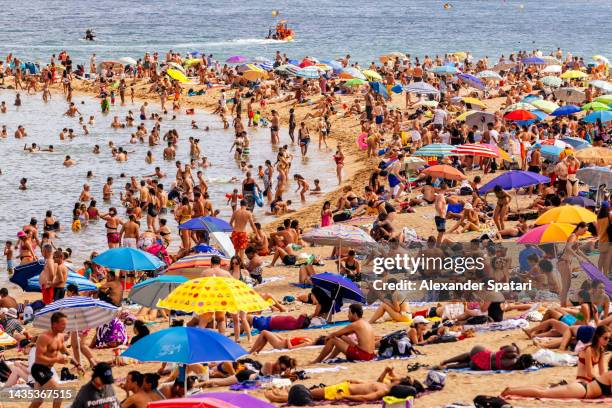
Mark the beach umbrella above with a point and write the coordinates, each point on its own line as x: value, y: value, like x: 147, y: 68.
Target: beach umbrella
x: 128, y: 60
x: 519, y: 114
x: 445, y: 70
x: 533, y: 61
x: 565, y: 110
x: 472, y: 81
x: 193, y: 265
x: 479, y: 119
x: 23, y: 273
x: 380, y: 89
x: 190, y: 402
x: 174, y: 65
x: 412, y: 162
x: 569, y: 214
x: 514, y: 179
x: 573, y: 74
x: 355, y: 82
x: 235, y: 398
x: 184, y: 345
x: 460, y: 54
x: 594, y: 273
x: 306, y: 63
x: 595, y: 176
x: 444, y: 171
x: 595, y: 155
x: 549, y: 233
x: 603, y: 85
x: 336, y: 65
x: 248, y: 67
x: 554, y: 142
x: 463, y: 115
x: 371, y: 75
x: 552, y: 81
x: 602, y: 115
x: 192, y: 61
x: 530, y: 98
x: 207, y: 249
x: 487, y: 74
x: 500, y: 152
x: 263, y: 60
x: 339, y: 234
x: 552, y: 69
x: 595, y: 106
x: 288, y: 69
x: 576, y: 143
x: 581, y: 201
x: 421, y: 88
x: 519, y: 106
x: 435, y: 150
x: 398, y: 89
x: 82, y: 283
x: 474, y: 101
x: 211, y: 224
x: 177, y: 75
x: 351, y: 72
x: 607, y: 99
x: 324, y: 67
x: 6, y: 340
x: 550, y: 60
x: 545, y: 106
x: 254, y: 75
x: 214, y: 294
x: 476, y: 149
x: 150, y: 291
x: 82, y: 312
x: 550, y: 151
x: 571, y: 95
x: 309, y: 72
x: 237, y: 59
x: 128, y: 259
x: 504, y: 66
x: 341, y: 289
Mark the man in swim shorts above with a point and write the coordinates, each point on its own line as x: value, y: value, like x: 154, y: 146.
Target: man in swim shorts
x: 339, y: 342
x: 239, y: 220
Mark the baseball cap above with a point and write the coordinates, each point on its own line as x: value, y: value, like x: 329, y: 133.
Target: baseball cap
x: 21, y: 234
x: 104, y: 372
x: 420, y: 319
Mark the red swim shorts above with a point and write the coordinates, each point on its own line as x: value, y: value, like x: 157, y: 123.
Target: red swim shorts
x: 355, y: 353
x: 240, y: 239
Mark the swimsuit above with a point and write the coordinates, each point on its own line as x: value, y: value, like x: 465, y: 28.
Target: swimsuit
x: 336, y: 392
x: 240, y: 240
x: 41, y: 373
x: 355, y: 353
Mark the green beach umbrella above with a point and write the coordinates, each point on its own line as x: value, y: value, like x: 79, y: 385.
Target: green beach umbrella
x: 606, y: 99
x: 355, y: 82
x: 595, y: 106
x: 545, y: 106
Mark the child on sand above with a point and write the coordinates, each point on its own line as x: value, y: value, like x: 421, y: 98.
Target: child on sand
x: 8, y: 253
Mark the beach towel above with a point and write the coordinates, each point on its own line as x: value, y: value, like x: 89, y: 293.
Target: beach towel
x: 287, y: 350
x: 245, y: 385
x: 590, y: 401
x: 340, y: 360
x: 468, y: 370
x: 595, y: 273
x: 255, y: 332
x: 317, y: 370
x: 508, y: 324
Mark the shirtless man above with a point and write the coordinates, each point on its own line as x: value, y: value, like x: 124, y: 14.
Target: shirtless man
x: 107, y: 189
x: 133, y: 384
x: 47, y: 276
x: 274, y: 127
x: 440, y: 207
x: 337, y: 342
x: 111, y: 291
x: 61, y: 275
x: 130, y: 231
x: 50, y: 349
x: 239, y: 221
x: 6, y: 300
x: 20, y: 132
x: 68, y: 161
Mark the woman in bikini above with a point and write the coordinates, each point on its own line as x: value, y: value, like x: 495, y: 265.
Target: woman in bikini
x: 26, y: 252
x: 112, y: 227
x: 501, y: 209
x: 182, y: 214
x: 591, y: 358
x: 51, y: 224
x: 279, y: 343
x: 164, y: 232
x: 572, y: 181
x: 564, y: 264
x: 339, y: 159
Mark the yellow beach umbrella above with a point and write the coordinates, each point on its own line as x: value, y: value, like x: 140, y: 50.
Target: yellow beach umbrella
x: 371, y: 75
x: 6, y: 340
x: 549, y: 233
x: 568, y: 214
x: 460, y: 54
x: 464, y: 115
x: 252, y: 75
x: 176, y: 74
x: 474, y: 101
x: 214, y: 294
x: 192, y: 61
x: 573, y: 74
x: 545, y: 106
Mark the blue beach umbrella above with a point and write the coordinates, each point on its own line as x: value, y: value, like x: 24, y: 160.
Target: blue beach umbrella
x: 576, y: 143
x: 435, y: 150
x: 128, y: 259
x: 310, y: 72
x: 23, y: 273
x: 149, y: 292
x: 185, y: 345
x: 340, y: 288
x: 566, y: 110
x: 581, y: 201
x: 398, y: 89
x: 336, y: 65
x: 82, y: 283
x: 515, y: 179
x: 472, y: 81
x: 534, y: 61
x: 207, y: 249
x: 444, y: 70
x: 211, y: 224
x: 530, y: 98
x: 380, y: 89
x: 603, y: 116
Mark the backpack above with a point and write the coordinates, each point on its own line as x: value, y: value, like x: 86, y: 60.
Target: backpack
x: 435, y: 380
x: 396, y: 344
x: 485, y: 401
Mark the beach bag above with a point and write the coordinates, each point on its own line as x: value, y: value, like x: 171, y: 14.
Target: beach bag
x: 485, y: 401
x: 396, y: 344
x: 317, y: 322
x: 435, y: 380
x: 343, y: 216
x: 478, y: 320
x: 393, y: 402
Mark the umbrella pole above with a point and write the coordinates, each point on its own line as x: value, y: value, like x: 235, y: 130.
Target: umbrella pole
x: 339, y: 254
x: 185, y: 380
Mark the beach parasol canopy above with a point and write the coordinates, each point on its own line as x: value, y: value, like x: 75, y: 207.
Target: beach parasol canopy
x: 237, y: 59
x: 192, y: 266
x: 552, y: 81
x: 576, y: 142
x: 581, y: 201
x: 341, y: 289
x: 287, y: 69
x: 421, y: 88
x: 595, y: 106
x: 371, y: 75
x: 473, y: 101
x: 309, y: 72
x: 149, y: 292
x: 607, y: 99
x: 128, y: 259
x: 82, y: 283
x: 24, y: 272
x: 533, y: 61
x: 603, y: 116
x: 550, y: 151
x: 595, y: 176
x: 487, y: 74
x: 544, y: 105
x: 519, y: 114
x: 177, y: 75
x: 214, y: 294
x: 444, y: 171
x: 207, y: 249
x: 573, y: 74
x: 339, y: 234
x: 435, y: 150
x: 379, y: 88
x: 569, y: 214
x: 82, y: 312
x: 211, y: 224
x: 476, y: 149
x: 480, y: 119
x: 351, y: 72
x: 603, y: 85
x: 355, y: 82
x: 185, y: 345
x: 520, y: 106
x: 549, y: 233
x: 253, y: 75
x: 552, y: 69
x: 445, y: 70
x: 565, y: 110
x: 472, y: 81
x: 571, y: 95
x: 511, y: 180
x: 128, y: 60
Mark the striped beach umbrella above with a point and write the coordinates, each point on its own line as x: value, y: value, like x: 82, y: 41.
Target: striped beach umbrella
x: 350, y: 72
x: 310, y: 72
x: 339, y: 234
x: 435, y: 150
x: 576, y: 142
x: 475, y: 149
x: 421, y: 88
x: 82, y: 312
x: 192, y: 265
x: 287, y: 69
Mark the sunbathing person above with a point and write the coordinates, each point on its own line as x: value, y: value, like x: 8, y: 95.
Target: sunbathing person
x: 320, y: 299
x: 481, y: 358
x: 394, y: 304
x: 276, y: 323
x: 281, y: 343
x: 600, y: 387
x: 283, y: 367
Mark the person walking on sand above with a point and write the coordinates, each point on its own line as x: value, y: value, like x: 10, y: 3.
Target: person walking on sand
x: 47, y: 276
x: 274, y: 127
x: 339, y: 159
x: 440, y: 217
x: 239, y: 221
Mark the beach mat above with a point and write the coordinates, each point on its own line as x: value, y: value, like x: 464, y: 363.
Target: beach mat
x: 255, y: 332
x: 489, y: 372
x: 589, y: 401
x: 287, y: 350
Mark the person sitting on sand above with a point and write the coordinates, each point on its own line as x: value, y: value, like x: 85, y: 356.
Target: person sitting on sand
x: 468, y: 221
x: 350, y: 267
x: 600, y: 387
x: 363, y: 349
x: 280, y: 343
x: 394, y: 304
x: 483, y: 359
